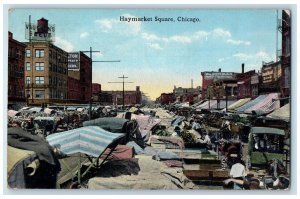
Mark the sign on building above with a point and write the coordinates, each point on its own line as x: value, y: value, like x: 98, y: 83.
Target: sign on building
x: 74, y: 61
x: 219, y: 76
x: 33, y: 32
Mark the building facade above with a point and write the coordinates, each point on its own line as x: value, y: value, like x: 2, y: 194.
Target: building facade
x: 271, y: 77
x: 215, y: 83
x: 46, y: 73
x: 82, y: 78
x: 244, y: 86
x: 96, y: 88
x: 130, y: 97
x: 166, y: 98
x: 285, y: 58
x: 16, y: 79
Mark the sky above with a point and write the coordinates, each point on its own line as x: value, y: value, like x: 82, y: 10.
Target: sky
x: 160, y: 55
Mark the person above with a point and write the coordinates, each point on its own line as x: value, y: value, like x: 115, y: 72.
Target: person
x: 206, y: 138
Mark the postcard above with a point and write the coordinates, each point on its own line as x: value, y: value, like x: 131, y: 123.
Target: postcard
x: 149, y: 99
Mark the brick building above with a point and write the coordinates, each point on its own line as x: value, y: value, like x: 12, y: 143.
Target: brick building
x: 244, y: 86
x: 166, y: 98
x: 46, y: 73
x: 271, y: 77
x: 285, y: 58
x: 96, y: 88
x: 213, y: 82
x: 16, y: 81
x: 131, y: 97
x: 82, y: 78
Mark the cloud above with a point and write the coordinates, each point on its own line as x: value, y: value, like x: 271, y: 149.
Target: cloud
x: 105, y: 24
x: 134, y: 25
x: 108, y: 25
x: 238, y: 42
x: 264, y: 56
x: 155, y: 46
x: 223, y: 59
x: 181, y: 39
x: 64, y: 44
x: 150, y: 37
x: 201, y: 34
x: 219, y: 32
x: 256, y: 57
x: 84, y: 34
x: 243, y: 56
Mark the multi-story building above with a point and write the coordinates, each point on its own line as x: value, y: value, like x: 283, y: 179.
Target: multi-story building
x: 270, y: 79
x: 285, y: 29
x: 213, y: 81
x: 244, y: 87
x: 81, y: 78
x: 46, y: 73
x: 74, y: 91
x: 16, y: 82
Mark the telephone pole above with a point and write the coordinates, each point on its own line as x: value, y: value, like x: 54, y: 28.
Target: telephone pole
x: 123, y: 82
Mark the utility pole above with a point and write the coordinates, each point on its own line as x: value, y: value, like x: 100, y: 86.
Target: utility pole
x: 91, y: 77
x: 123, y: 93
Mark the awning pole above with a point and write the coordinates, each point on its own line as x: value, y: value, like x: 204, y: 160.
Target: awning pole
x: 79, y: 168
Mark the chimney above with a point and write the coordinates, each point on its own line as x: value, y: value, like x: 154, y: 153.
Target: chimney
x: 243, y: 68
x: 219, y: 70
x: 10, y: 35
x: 137, y: 88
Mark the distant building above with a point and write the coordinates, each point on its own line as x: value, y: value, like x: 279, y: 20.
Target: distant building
x: 186, y: 94
x: 16, y: 79
x: 131, y: 97
x: 96, y: 92
x: 244, y: 86
x: 166, y: 98
x: 213, y: 84
x: 271, y: 77
x: 105, y: 98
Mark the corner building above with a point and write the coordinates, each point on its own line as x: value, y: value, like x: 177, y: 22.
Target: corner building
x: 46, y: 73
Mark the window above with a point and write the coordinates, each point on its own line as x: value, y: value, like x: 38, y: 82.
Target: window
x: 50, y: 53
x: 50, y: 80
x: 39, y: 66
x: 39, y: 53
x: 39, y: 94
x: 27, y: 66
x: 27, y: 80
x: 27, y: 52
x: 27, y: 93
x: 39, y: 80
x: 50, y: 67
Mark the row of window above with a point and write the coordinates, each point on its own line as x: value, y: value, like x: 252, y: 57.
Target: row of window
x: 40, y: 66
x: 38, y: 80
x: 38, y: 53
x: 52, y: 81
x: 40, y: 94
x: 41, y: 53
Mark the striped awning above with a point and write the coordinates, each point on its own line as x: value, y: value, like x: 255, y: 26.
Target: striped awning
x: 266, y: 105
x: 90, y: 140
